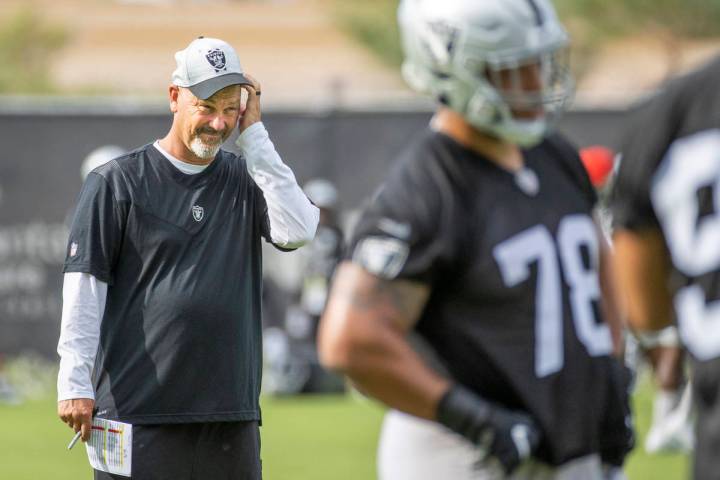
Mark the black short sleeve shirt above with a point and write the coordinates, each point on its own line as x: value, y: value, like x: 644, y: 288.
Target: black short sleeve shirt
x: 686, y: 106
x: 511, y: 260
x: 180, y: 335
x: 97, y: 230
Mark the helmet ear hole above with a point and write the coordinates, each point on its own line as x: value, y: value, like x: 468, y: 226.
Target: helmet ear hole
x: 416, y: 77
x: 482, y: 110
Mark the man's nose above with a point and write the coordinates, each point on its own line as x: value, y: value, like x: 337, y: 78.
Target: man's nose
x: 218, y: 123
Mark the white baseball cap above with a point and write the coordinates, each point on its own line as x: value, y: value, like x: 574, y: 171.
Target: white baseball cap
x: 206, y: 66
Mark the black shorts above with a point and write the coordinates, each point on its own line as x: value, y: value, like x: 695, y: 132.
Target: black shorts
x: 194, y: 451
x: 706, y: 461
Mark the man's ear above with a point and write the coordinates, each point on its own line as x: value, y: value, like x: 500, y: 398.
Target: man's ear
x: 174, y: 93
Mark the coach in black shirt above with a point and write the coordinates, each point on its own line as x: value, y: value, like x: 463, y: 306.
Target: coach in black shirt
x: 161, y: 299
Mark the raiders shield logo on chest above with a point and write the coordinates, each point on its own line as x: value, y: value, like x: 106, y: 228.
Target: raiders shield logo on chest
x: 198, y: 212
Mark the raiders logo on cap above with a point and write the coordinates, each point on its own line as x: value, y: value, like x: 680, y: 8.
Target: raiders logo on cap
x: 216, y: 57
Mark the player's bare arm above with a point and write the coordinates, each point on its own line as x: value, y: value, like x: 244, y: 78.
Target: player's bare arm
x: 610, y: 299
x: 642, y: 268
x: 362, y: 334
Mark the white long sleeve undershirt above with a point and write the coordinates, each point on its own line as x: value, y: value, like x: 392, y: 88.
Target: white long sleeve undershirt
x: 83, y: 306
x: 293, y: 221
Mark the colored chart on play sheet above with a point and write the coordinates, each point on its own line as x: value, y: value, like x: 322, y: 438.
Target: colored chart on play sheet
x: 110, y: 447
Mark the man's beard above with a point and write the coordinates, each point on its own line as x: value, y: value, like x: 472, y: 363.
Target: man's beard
x: 203, y: 149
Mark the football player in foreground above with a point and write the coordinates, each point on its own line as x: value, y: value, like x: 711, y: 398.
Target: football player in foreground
x: 667, y: 234
x: 481, y: 246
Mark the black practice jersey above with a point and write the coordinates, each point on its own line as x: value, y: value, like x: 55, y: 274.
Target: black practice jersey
x: 670, y: 179
x: 180, y: 336
x: 512, y: 265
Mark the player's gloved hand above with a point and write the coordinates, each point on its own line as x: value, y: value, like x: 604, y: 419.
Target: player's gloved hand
x: 617, y: 437
x: 509, y: 436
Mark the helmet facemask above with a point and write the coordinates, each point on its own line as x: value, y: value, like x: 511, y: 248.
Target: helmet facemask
x: 520, y: 100
x: 504, y: 71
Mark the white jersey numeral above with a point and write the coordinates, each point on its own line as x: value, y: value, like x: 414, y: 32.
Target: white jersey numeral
x: 574, y: 233
x: 691, y: 164
x: 536, y: 244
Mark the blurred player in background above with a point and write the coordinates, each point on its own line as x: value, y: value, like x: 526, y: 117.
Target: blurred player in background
x: 671, y: 425
x: 482, y: 242
x: 323, y: 253
x: 161, y: 323
x: 667, y: 235
x: 671, y: 428
x: 599, y: 162
x: 290, y: 349
x: 321, y: 257
x: 99, y: 156
x: 8, y: 393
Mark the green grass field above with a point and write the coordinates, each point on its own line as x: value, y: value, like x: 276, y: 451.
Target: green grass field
x: 308, y: 438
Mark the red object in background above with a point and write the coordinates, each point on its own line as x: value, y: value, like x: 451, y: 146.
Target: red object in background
x: 599, y: 162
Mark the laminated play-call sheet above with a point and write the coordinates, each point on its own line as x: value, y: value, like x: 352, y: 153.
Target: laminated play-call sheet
x: 110, y: 446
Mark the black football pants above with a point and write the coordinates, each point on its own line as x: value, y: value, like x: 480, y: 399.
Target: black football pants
x: 194, y: 451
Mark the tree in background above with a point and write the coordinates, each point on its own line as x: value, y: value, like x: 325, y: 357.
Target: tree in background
x: 591, y: 22
x: 373, y: 23
x: 27, y: 45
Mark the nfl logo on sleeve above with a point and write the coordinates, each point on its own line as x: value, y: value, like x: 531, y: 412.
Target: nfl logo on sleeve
x: 73, y: 249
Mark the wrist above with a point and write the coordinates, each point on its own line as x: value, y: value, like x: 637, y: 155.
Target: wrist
x: 245, y: 125
x: 509, y: 436
x: 64, y: 396
x: 464, y: 412
x: 252, y: 136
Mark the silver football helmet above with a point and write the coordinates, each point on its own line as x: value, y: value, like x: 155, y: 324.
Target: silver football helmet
x: 501, y: 64
x: 100, y: 156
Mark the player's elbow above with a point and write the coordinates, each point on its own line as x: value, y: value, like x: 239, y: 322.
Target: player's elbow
x: 341, y: 348
x: 300, y: 238
x: 334, y: 348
